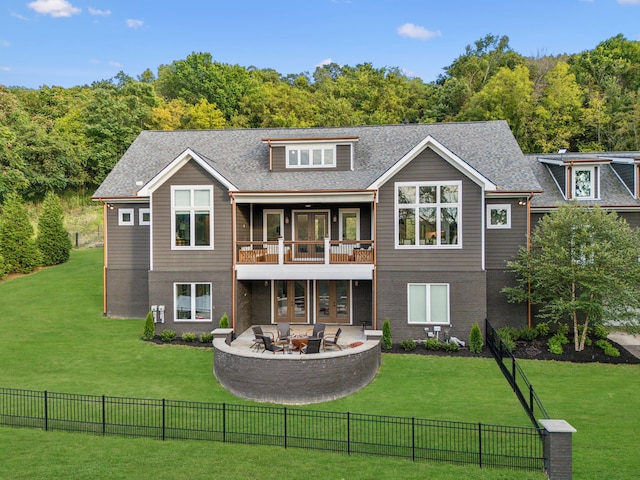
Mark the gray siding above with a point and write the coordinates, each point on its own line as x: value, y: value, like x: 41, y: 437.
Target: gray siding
x: 430, y: 167
x: 164, y: 258
x: 343, y: 159
x: 502, y: 243
x: 127, y: 264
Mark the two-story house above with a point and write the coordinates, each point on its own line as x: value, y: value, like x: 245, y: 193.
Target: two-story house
x: 347, y: 225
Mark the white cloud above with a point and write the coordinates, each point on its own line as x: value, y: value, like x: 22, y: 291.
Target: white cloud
x: 415, y: 31
x: 55, y: 8
x: 4, y: 69
x: 4, y: 43
x: 629, y: 2
x: 101, y: 13
x: 324, y: 62
x: 114, y: 64
x: 131, y: 23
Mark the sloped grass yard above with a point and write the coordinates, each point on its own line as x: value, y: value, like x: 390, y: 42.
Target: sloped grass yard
x: 53, y: 337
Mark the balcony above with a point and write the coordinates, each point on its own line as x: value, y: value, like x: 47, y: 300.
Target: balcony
x: 296, y: 260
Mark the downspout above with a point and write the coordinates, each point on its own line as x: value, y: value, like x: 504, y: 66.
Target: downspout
x: 375, y: 263
x: 233, y: 262
x: 529, y: 315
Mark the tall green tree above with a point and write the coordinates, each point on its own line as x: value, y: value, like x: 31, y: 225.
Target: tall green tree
x: 53, y: 240
x: 581, y: 269
x: 17, y: 244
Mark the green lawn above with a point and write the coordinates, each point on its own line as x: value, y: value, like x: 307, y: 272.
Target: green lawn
x: 53, y: 337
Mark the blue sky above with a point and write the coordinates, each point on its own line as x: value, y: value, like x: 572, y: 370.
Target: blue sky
x: 76, y: 42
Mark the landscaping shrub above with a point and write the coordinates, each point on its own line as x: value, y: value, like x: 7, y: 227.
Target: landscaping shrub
x: 601, y: 332
x: 168, y: 336
x: 543, y: 329
x: 556, y: 342
x: 408, y: 345
x: 224, y: 321
x: 432, y: 344
x: 3, y: 269
x: 476, y: 342
x: 607, y: 348
x: 189, y: 337
x: 149, y: 328
x: 206, y: 338
x: 528, y: 334
x: 387, y: 341
x: 17, y: 244
x: 450, y: 346
x: 508, y: 335
x: 53, y: 240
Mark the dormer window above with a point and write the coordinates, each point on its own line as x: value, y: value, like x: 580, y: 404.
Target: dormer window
x: 311, y: 156
x: 584, y: 182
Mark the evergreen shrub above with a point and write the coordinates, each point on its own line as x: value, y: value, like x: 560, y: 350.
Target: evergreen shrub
x: 149, y: 328
x: 189, y: 337
x: 53, y: 240
x: 387, y: 340
x: 408, y: 345
x: 168, y: 336
x: 224, y: 321
x: 476, y: 342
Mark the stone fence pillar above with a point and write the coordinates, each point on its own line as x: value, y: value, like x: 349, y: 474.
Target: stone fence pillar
x: 226, y: 333
x: 558, y: 464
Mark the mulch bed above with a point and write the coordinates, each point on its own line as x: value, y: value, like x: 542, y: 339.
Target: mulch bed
x: 535, y: 350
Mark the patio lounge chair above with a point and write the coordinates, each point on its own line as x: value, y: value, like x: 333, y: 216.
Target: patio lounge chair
x: 312, y: 346
x: 258, y: 334
x: 272, y: 347
x: 318, y: 331
x: 284, y: 331
x: 331, y: 340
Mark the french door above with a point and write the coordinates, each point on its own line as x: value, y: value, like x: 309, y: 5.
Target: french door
x: 290, y: 301
x: 333, y: 300
x: 310, y: 227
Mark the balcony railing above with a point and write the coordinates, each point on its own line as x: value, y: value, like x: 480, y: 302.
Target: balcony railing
x: 329, y: 252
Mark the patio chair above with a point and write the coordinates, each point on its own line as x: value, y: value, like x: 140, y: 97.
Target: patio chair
x: 272, y: 347
x: 318, y: 331
x: 312, y: 346
x: 258, y: 335
x: 331, y: 340
x: 284, y: 331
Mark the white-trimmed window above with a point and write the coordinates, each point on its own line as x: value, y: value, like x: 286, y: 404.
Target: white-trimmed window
x: 273, y: 225
x: 428, y: 303
x: 311, y: 156
x: 192, y: 302
x: 349, y: 226
x: 144, y: 216
x: 499, y: 216
x: 428, y: 214
x: 192, y: 217
x: 585, y: 183
x: 125, y: 216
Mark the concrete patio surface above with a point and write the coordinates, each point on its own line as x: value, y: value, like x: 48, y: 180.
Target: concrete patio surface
x: 629, y: 341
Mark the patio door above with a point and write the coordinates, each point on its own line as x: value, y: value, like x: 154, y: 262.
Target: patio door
x: 290, y: 301
x: 333, y: 298
x: 310, y: 227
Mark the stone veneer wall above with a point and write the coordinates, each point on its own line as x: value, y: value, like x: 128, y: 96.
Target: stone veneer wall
x: 295, y: 378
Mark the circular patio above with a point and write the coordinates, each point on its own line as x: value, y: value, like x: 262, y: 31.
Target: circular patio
x: 293, y: 378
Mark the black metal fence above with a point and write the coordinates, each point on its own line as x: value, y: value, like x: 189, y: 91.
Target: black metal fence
x: 515, y: 376
x: 352, y: 433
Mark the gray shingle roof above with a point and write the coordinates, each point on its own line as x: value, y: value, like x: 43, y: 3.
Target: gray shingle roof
x: 613, y: 193
x: 241, y: 156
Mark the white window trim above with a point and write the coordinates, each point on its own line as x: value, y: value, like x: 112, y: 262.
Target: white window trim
x: 595, y: 172
x: 121, y: 214
x: 343, y: 211
x: 141, y: 213
x: 397, y: 206
x: 193, y: 302
x: 427, y: 287
x: 191, y: 188
x: 310, y: 147
x: 506, y: 207
x: 264, y: 221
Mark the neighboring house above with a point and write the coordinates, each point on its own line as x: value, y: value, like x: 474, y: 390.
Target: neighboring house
x: 346, y: 226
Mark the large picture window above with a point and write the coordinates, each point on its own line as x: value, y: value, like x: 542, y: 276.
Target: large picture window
x: 428, y: 214
x: 192, y: 302
x: 192, y: 217
x: 428, y: 303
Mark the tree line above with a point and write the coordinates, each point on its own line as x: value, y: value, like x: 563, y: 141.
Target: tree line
x: 55, y: 139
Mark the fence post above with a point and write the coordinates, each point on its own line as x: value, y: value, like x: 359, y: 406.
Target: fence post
x: 348, y: 433
x: 531, y: 399
x: 46, y: 411
x: 104, y: 419
x: 558, y: 464
x: 413, y: 438
x: 479, y: 444
x: 285, y: 427
x: 163, y: 420
x: 224, y: 422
